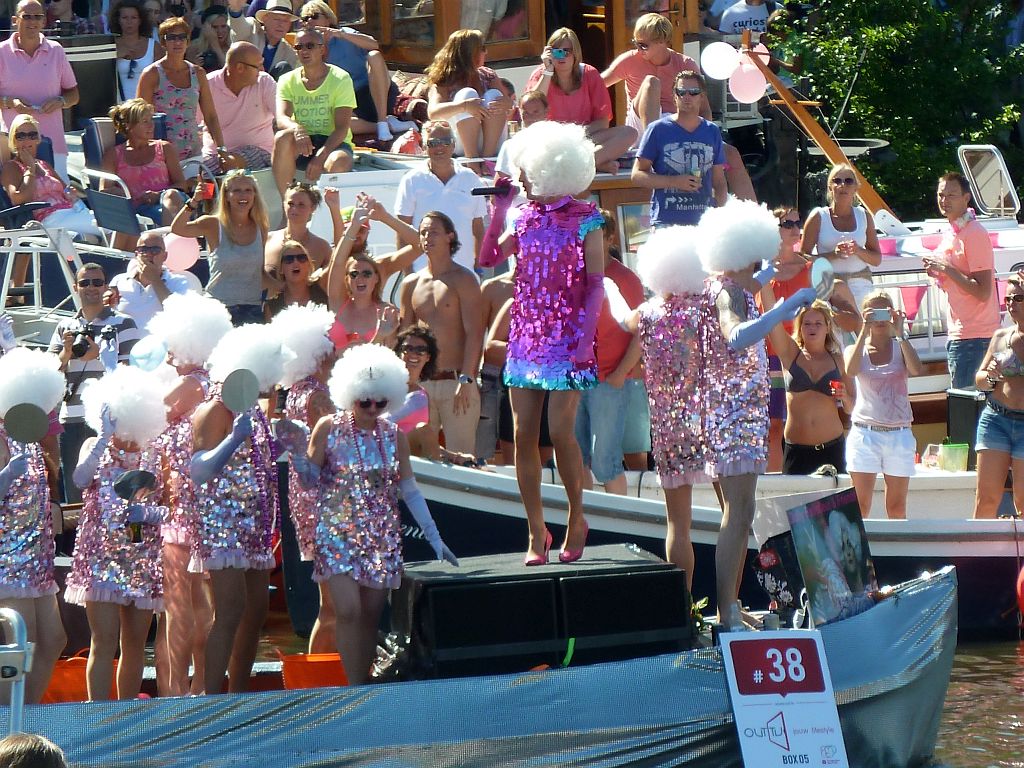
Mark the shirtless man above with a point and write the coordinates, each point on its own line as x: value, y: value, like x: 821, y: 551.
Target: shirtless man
x: 445, y: 297
x: 496, y: 292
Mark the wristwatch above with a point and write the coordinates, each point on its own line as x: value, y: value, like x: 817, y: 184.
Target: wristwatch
x: 465, y: 379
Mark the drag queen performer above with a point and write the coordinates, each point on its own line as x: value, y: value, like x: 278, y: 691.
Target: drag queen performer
x: 235, y: 475
x: 117, y: 573
x: 668, y: 328
x: 189, y: 326
x: 557, y: 302
x: 303, y: 331
x: 360, y: 462
x: 26, y: 548
x: 732, y: 241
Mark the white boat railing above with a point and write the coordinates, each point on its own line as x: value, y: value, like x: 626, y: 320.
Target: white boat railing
x: 15, y: 662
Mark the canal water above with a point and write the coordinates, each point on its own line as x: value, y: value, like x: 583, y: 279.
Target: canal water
x: 983, y: 719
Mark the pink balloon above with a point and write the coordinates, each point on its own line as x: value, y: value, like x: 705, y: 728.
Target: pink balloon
x: 182, y: 252
x: 762, y: 52
x: 747, y: 84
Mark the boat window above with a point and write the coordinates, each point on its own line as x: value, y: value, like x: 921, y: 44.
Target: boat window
x: 413, y: 23
x: 351, y: 12
x: 991, y: 186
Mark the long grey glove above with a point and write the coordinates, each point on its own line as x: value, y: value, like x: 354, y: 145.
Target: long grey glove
x: 109, y: 354
x: 147, y: 514
x: 206, y: 464
x: 418, y: 506
x: 8, y: 341
x: 752, y: 331
x: 765, y: 274
x: 89, y: 462
x: 16, y: 467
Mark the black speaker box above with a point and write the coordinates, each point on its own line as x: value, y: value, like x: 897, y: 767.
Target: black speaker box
x: 493, y: 615
x: 963, y: 408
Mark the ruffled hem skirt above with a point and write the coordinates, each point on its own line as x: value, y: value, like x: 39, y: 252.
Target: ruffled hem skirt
x: 386, y: 580
x: 220, y: 561
x: 552, y: 376
x: 83, y: 595
x: 10, y: 592
x: 672, y: 480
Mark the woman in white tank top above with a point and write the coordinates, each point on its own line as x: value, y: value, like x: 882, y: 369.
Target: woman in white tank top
x: 844, y: 233
x: 880, y: 440
x: 136, y: 47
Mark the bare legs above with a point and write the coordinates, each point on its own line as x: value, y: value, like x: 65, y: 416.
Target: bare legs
x: 737, y: 515
x: 285, y: 153
x: 647, y: 102
x: 43, y: 628
x: 357, y: 610
x: 992, y: 468
x: 322, y: 639
x: 527, y: 407
x: 736, y: 176
x: 188, y: 615
x: 895, y: 494
x: 611, y: 143
x: 110, y: 625
x: 240, y: 602
x: 678, y: 546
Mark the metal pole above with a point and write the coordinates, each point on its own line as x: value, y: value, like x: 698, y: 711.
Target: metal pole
x: 15, y: 661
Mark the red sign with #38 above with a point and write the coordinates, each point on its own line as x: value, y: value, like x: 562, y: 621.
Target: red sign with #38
x: 777, y: 666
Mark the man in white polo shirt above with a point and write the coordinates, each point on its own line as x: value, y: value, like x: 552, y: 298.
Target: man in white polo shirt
x: 443, y: 186
x: 140, y: 290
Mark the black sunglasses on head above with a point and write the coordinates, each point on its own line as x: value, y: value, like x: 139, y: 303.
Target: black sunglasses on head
x: 1014, y: 298
x: 149, y: 250
x: 288, y: 258
x: 789, y: 224
x: 20, y: 135
x: 366, y: 404
x: 367, y: 273
x: 94, y: 282
x: 688, y: 91
x: 641, y: 46
x: 175, y: 37
x: 306, y: 46
x: 415, y: 349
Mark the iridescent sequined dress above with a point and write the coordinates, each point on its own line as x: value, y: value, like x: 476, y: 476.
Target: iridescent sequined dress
x: 670, y: 333
x: 26, y: 546
x: 359, y: 531
x: 546, y: 318
x: 302, y: 500
x: 115, y: 562
x: 736, y: 391
x: 175, y: 444
x: 238, y: 506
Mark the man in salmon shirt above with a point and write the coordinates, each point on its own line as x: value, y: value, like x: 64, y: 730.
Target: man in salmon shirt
x: 964, y: 267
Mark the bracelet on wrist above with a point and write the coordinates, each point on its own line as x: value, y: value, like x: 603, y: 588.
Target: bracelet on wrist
x: 548, y: 73
x: 188, y: 204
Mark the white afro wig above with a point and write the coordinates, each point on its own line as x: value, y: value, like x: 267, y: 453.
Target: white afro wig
x: 254, y: 347
x: 668, y: 263
x: 190, y: 325
x: 303, y: 331
x: 557, y: 158
x: 136, y: 401
x: 738, y: 234
x: 30, y: 376
x: 368, y: 371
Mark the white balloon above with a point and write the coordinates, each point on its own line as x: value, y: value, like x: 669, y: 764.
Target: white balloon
x: 719, y: 60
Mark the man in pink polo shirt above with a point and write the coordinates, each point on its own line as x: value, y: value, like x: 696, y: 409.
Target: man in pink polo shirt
x: 964, y: 268
x: 246, y: 99
x: 36, y: 78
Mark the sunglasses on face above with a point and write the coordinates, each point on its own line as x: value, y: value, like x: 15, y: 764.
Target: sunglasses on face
x: 561, y: 53
x: 312, y: 17
x: 306, y: 46
x: 789, y: 224
x: 247, y: 64
x: 367, y: 404
x: 132, y: 66
x: 175, y: 37
x: 414, y: 349
x: 288, y: 258
x: 20, y: 135
x: 847, y: 180
x: 149, y: 250
x: 1015, y: 298
x: 367, y: 273
x: 688, y: 91
x: 92, y: 282
x: 641, y: 46
x: 440, y: 142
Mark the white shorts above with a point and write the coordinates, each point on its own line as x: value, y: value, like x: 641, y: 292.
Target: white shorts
x: 891, y: 453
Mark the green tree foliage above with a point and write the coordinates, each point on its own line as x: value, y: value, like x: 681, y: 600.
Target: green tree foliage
x: 935, y: 75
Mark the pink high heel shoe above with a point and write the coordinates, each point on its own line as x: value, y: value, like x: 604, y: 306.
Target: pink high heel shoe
x: 541, y: 559
x: 572, y: 555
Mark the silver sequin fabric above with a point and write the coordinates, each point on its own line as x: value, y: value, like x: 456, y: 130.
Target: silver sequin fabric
x: 302, y: 500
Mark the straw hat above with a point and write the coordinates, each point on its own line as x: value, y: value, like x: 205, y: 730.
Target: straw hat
x: 277, y: 6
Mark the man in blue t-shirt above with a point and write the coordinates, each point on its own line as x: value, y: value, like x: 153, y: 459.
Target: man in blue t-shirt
x: 681, y: 159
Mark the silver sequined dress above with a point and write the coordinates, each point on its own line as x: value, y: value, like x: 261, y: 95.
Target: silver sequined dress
x: 670, y: 334
x: 238, y: 506
x: 359, y: 530
x: 736, y: 391
x: 26, y: 547
x: 302, y: 500
x: 108, y: 566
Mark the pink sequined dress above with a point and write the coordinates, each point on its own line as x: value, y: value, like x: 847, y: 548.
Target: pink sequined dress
x: 302, y: 500
x: 546, y: 318
x: 115, y: 562
x: 670, y: 334
x: 359, y: 531
x: 735, y: 391
x: 26, y: 547
x: 175, y: 444
x: 238, y: 507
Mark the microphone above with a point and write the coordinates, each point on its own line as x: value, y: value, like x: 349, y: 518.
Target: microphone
x: 487, y: 191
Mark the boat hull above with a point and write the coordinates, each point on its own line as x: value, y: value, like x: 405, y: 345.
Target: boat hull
x: 481, y: 513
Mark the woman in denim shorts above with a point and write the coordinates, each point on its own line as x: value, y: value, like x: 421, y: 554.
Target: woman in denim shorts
x: 1000, y: 438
